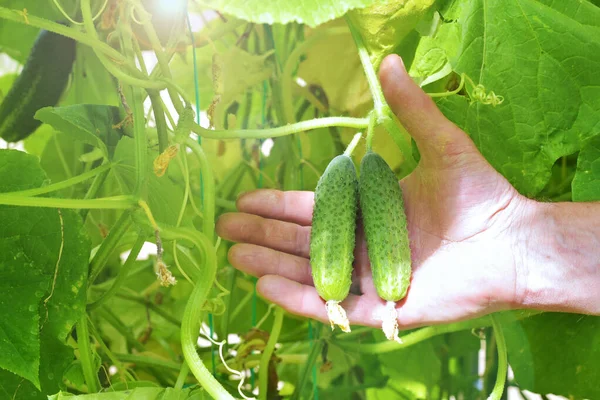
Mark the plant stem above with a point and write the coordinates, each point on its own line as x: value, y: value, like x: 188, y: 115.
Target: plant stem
x: 424, y: 334
x: 263, y: 379
x: 208, y: 182
x: 148, y: 361
x: 371, y: 132
x: 108, y: 245
x: 163, y: 61
x: 183, y: 373
x: 307, y: 369
x: 192, y: 317
x: 42, y: 23
x: 226, y: 204
x: 358, y: 123
x: 502, y: 360
x: 63, y: 184
x: 137, y: 80
x: 352, y: 145
x: 116, y: 202
x: 159, y: 118
x: 107, y: 314
x: 374, y: 85
x: 402, y: 141
x: 109, y: 354
x: 93, y: 190
x: 123, y: 273
x: 153, y: 307
x: 85, y: 355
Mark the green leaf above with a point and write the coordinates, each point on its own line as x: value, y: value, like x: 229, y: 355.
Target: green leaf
x: 556, y: 353
x: 309, y: 12
x: 22, y: 284
x: 182, y: 67
x: 86, y: 123
x: 91, y: 82
x: 414, y: 371
x: 167, y: 197
x: 343, y: 79
x: 519, y: 50
x: 138, y: 393
x: 586, y: 183
x: 386, y: 23
x: 234, y: 72
x: 43, y: 263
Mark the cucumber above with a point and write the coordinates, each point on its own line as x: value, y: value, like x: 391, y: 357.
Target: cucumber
x: 40, y: 84
x: 332, y: 238
x: 386, y: 231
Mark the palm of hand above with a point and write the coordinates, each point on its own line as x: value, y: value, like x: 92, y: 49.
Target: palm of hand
x: 460, y: 215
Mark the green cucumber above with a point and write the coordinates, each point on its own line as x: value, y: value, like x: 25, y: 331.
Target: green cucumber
x: 41, y: 83
x: 386, y: 231
x: 332, y: 238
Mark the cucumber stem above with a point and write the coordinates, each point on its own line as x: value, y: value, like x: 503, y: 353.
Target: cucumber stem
x: 337, y: 315
x: 371, y: 131
x: 352, y: 145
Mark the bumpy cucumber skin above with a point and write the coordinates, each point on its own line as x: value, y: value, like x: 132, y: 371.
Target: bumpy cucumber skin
x: 40, y: 84
x: 334, y: 228
x: 385, y: 226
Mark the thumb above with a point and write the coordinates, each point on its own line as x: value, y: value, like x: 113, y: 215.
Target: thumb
x: 432, y: 131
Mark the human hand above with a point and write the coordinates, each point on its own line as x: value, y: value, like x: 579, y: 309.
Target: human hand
x: 463, y: 220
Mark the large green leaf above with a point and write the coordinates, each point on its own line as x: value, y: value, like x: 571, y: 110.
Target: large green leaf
x: 22, y: 284
x: 91, y: 82
x: 386, y: 23
x: 43, y: 263
x: 586, y: 183
x: 556, y: 353
x: 334, y: 66
x: 86, y: 123
x: 543, y: 57
x: 309, y: 12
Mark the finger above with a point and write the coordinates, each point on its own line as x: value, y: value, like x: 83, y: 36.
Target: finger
x: 248, y: 228
x: 417, y: 112
x: 259, y: 261
x: 290, y: 206
x: 303, y: 300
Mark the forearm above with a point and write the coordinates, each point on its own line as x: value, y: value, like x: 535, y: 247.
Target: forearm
x: 560, y: 258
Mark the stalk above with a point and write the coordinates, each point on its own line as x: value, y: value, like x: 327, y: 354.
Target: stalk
x: 263, y: 379
x: 317, y: 123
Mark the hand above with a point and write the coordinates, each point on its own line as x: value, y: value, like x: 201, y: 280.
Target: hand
x: 463, y: 220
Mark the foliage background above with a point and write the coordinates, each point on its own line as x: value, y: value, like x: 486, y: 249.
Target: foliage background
x: 541, y: 56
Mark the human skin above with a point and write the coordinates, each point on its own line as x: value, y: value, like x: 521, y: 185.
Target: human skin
x: 477, y: 245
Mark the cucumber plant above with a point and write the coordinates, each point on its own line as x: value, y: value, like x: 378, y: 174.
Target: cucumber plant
x: 81, y: 320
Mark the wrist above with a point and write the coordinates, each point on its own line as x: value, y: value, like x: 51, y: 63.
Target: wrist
x: 557, y: 263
